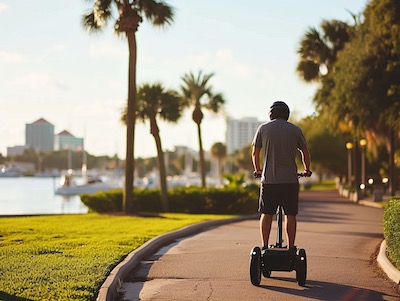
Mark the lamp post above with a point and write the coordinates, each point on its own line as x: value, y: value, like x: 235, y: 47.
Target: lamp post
x: 363, y: 144
x: 349, y: 147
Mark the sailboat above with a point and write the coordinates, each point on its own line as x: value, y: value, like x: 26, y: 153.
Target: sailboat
x: 69, y: 185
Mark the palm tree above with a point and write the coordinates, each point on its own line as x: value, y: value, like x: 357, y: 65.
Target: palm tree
x: 318, y: 50
x: 218, y: 151
x: 318, y: 53
x: 128, y: 17
x: 153, y: 102
x: 197, y: 92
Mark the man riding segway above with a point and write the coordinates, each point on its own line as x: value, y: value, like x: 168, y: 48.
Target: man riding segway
x: 279, y: 141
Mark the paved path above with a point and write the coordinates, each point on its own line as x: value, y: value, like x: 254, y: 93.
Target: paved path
x: 340, y: 238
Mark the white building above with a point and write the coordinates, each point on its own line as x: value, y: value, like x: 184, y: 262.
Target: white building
x: 65, y: 140
x: 240, y: 133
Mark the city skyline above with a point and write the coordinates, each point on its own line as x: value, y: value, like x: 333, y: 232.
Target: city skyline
x: 52, y: 68
x: 41, y: 136
x: 38, y: 132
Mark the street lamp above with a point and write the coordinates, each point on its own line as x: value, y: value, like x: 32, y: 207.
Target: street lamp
x: 363, y: 144
x: 349, y: 147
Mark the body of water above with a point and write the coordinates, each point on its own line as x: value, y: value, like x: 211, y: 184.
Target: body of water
x: 35, y: 195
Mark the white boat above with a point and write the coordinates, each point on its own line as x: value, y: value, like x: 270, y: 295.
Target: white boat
x: 12, y: 171
x: 69, y: 186
x: 91, y: 184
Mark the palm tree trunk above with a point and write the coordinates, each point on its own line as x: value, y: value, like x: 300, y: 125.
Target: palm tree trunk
x: 130, y: 126
x: 161, y: 163
x: 201, y: 158
x: 220, y: 171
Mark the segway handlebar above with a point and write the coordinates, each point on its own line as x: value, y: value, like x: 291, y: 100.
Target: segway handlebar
x: 306, y: 173
x: 256, y: 175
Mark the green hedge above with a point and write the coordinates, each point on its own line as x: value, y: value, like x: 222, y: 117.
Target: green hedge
x: 238, y: 200
x: 391, y: 228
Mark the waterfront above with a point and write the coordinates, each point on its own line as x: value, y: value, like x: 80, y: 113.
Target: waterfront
x: 35, y: 195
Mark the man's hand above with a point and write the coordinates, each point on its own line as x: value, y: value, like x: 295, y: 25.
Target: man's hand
x: 257, y: 174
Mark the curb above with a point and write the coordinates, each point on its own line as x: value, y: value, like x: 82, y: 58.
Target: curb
x: 386, y: 265
x: 369, y: 204
x: 113, y: 282
x: 383, y: 261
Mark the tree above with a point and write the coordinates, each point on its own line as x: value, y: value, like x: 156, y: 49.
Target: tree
x: 241, y: 160
x: 155, y: 102
x: 218, y: 151
x: 128, y: 17
x: 327, y: 147
x: 366, y: 80
x: 318, y: 50
x: 318, y: 54
x: 197, y: 93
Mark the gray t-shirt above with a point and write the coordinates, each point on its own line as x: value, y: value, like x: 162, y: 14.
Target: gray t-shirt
x: 280, y: 141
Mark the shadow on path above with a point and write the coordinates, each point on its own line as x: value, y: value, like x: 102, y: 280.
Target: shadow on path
x: 318, y: 290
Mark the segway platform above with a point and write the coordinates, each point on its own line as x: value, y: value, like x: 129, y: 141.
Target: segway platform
x: 263, y: 262
x: 278, y: 259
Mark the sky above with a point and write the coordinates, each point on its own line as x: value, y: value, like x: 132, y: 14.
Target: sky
x: 52, y: 68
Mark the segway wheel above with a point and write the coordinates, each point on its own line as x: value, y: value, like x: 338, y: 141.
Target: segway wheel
x: 266, y: 273
x: 301, y: 267
x: 255, y: 266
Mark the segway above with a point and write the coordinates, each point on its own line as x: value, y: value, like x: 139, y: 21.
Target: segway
x: 278, y: 258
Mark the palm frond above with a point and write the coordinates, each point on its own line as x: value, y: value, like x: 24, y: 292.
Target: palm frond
x: 204, y: 81
x: 197, y: 92
x: 157, y: 12
x: 196, y: 86
x: 103, y: 9
x: 336, y: 32
x: 91, y: 23
x: 171, y: 109
x: 97, y: 18
x: 311, y: 45
x: 308, y: 70
x: 215, y: 102
x: 155, y: 101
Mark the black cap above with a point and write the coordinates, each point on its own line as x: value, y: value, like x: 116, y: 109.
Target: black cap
x: 279, y: 109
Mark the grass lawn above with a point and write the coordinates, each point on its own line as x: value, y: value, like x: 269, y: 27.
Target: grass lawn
x: 68, y: 257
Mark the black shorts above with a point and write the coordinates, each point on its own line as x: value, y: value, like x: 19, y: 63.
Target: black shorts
x: 274, y: 195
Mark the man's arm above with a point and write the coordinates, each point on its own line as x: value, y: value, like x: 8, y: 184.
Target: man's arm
x: 306, y: 158
x: 255, y: 156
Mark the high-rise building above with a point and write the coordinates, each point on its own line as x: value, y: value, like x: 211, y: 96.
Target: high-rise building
x: 65, y: 140
x: 39, y: 135
x: 240, y: 133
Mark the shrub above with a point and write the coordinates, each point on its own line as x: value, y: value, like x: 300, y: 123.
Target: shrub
x: 110, y: 201
x: 187, y: 200
x: 231, y: 200
x: 391, y: 228
x: 147, y: 200
x: 196, y: 200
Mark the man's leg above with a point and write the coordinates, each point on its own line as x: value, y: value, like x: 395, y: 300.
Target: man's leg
x: 291, y: 226
x: 265, y: 228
